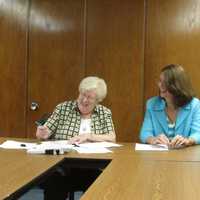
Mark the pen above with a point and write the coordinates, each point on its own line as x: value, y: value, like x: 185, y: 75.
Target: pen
x: 38, y: 123
x: 76, y: 145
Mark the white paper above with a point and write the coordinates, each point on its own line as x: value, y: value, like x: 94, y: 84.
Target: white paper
x: 80, y: 148
x: 61, y: 145
x: 84, y: 149
x: 59, y: 142
x: 149, y: 147
x: 56, y: 144
x: 11, y: 144
x: 93, y: 147
x: 100, y: 144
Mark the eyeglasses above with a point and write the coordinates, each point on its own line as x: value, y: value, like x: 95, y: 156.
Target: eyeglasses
x: 88, y: 97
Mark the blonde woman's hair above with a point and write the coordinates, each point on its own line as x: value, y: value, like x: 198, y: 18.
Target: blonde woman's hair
x: 94, y: 83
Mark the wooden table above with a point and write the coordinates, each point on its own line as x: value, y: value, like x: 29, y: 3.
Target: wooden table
x: 127, y: 178
x: 129, y: 175
x: 19, y: 170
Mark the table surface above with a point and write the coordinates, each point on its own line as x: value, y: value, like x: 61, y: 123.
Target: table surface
x: 163, y: 175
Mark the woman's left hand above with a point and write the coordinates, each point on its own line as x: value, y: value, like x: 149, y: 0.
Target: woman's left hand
x: 179, y: 141
x: 80, y: 138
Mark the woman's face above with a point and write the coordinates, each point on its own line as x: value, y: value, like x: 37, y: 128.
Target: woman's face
x: 87, y: 101
x: 164, y: 93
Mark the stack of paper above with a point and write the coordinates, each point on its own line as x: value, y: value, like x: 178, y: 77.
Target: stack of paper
x: 149, y: 147
x: 60, y: 146
x: 11, y: 144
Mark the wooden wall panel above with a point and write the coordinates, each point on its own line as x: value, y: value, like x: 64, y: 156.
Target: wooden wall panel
x: 13, y: 40
x: 172, y: 36
x: 47, y: 47
x: 55, y: 54
x: 115, y: 52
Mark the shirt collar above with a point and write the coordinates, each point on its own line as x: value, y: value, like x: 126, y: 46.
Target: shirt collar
x: 75, y: 107
x: 162, y: 105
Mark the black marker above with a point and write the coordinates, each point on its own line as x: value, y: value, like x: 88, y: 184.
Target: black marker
x: 76, y: 145
x: 38, y: 123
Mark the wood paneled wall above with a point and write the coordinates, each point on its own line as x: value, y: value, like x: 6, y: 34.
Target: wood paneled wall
x: 55, y: 55
x: 115, y: 52
x: 172, y: 36
x: 13, y: 56
x: 47, y: 47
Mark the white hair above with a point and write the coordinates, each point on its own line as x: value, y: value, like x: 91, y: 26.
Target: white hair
x: 94, y: 83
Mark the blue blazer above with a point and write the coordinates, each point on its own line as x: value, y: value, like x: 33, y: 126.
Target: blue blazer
x: 187, y: 121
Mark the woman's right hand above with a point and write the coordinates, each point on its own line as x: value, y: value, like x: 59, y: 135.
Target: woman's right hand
x: 42, y: 132
x: 160, y: 139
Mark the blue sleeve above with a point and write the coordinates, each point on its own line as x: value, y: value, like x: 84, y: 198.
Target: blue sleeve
x: 195, y: 126
x: 147, y: 127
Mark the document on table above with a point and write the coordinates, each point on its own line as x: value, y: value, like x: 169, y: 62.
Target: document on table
x: 95, y: 147
x: 11, y: 144
x: 55, y: 144
x: 149, y: 147
x: 58, y: 144
x: 85, y: 149
x: 92, y: 147
x: 100, y: 144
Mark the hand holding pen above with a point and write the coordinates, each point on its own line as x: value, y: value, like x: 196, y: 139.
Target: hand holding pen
x: 42, y: 132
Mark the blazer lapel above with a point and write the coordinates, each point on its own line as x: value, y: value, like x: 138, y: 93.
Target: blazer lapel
x: 182, y: 114
x: 161, y: 116
x: 159, y: 111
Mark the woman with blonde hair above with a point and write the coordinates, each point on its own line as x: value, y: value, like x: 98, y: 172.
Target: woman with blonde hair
x: 82, y: 120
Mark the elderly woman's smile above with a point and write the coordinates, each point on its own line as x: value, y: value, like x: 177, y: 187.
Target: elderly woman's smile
x: 86, y: 102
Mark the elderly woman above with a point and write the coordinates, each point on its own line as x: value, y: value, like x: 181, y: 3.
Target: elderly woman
x: 173, y: 117
x: 81, y: 120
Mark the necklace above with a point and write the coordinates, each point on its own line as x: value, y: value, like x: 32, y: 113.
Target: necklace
x: 85, y: 126
x: 171, y: 114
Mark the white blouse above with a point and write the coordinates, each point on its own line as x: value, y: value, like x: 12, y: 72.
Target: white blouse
x: 85, y: 126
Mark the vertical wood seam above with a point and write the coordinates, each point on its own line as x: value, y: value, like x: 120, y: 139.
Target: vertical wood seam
x: 27, y: 69
x: 84, y: 61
